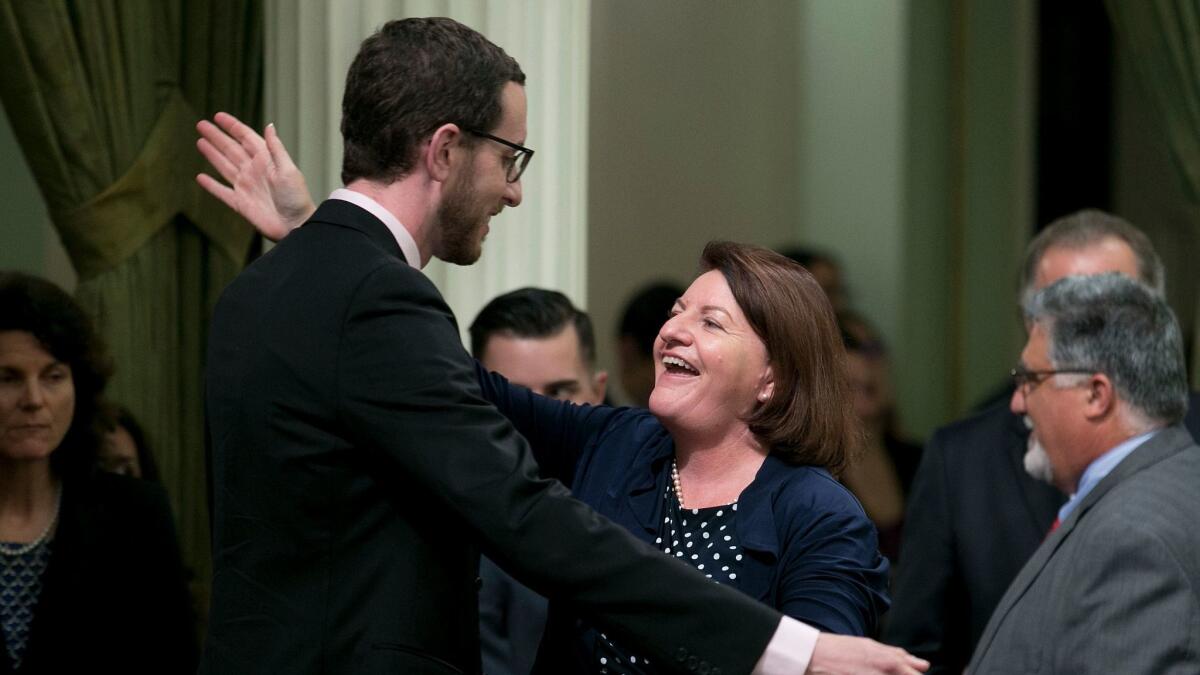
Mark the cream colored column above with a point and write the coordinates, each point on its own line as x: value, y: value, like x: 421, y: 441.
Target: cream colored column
x: 310, y: 44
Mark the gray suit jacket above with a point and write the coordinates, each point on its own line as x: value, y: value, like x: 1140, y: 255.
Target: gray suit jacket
x: 1116, y: 589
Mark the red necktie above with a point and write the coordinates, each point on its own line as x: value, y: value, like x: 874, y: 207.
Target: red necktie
x: 1054, y: 526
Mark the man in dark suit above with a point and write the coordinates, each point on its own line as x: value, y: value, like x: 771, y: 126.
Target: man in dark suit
x: 975, y: 515
x: 538, y: 339
x: 355, y: 465
x: 1112, y: 589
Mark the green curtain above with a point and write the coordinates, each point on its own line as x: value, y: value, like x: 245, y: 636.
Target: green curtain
x: 1162, y: 41
x: 103, y: 96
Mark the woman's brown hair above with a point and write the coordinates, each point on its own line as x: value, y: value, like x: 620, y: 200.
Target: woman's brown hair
x: 810, y: 418
x: 36, y: 306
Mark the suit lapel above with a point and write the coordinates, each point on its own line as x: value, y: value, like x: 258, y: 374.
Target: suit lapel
x: 1164, y: 444
x: 643, y: 486
x: 759, y: 536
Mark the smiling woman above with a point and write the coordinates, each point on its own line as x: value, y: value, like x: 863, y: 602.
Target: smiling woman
x: 87, y: 560
x: 730, y: 470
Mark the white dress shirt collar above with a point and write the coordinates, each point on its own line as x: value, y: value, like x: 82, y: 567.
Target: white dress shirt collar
x: 408, y: 245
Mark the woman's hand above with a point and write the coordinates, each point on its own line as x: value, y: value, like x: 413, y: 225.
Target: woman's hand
x: 265, y: 187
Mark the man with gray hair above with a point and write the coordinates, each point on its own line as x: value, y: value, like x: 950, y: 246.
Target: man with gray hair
x: 1103, y: 385
x: 975, y: 515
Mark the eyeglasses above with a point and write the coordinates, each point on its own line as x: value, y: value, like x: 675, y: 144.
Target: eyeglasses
x: 1027, y: 380
x: 516, y: 163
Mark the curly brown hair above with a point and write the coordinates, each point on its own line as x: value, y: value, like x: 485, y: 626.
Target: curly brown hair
x: 38, y: 307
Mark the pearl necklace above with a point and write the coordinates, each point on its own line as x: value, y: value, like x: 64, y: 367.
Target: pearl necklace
x: 41, y: 538
x: 675, y: 482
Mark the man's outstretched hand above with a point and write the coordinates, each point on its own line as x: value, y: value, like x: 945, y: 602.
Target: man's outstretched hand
x: 264, y: 185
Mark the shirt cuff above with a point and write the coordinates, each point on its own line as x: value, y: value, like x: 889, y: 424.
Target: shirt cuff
x: 790, y: 650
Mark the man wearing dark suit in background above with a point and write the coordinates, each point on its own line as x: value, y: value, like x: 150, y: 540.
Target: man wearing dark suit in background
x: 538, y: 339
x: 1113, y: 588
x: 975, y: 514
x: 355, y: 465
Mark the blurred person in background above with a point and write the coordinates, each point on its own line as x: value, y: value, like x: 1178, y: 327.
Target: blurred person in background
x: 883, y: 474
x: 826, y: 269
x: 641, y: 319
x: 125, y: 450
x: 90, y: 573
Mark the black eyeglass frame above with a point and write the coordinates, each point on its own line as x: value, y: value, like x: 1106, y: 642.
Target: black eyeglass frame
x: 1022, y: 377
x: 519, y: 162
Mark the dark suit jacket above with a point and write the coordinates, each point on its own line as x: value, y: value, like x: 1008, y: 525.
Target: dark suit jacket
x: 114, y: 598
x: 1114, y: 589
x: 356, y: 467
x: 809, y: 549
x: 974, y: 518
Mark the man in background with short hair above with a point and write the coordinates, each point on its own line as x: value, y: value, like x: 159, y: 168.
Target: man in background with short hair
x: 537, y: 339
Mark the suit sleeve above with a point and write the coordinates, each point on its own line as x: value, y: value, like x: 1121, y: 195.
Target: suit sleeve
x: 1135, y: 610
x: 927, y: 588
x: 557, y: 431
x: 409, y: 393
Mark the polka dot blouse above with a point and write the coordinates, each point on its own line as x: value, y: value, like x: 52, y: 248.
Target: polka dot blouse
x: 703, y: 538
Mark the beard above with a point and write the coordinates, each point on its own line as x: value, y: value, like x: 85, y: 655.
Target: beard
x: 1037, y: 462
x: 458, y: 220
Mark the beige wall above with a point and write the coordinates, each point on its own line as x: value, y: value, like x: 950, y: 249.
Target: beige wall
x: 850, y: 145
x: 896, y: 135
x: 692, y: 137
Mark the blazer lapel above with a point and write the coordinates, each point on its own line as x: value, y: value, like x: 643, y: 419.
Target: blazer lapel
x: 759, y: 537
x: 643, y: 486
x: 1164, y: 444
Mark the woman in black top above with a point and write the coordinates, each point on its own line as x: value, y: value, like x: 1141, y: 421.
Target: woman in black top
x: 90, y: 573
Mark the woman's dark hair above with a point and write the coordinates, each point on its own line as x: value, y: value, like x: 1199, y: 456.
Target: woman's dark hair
x: 532, y: 313
x: 38, y: 307
x: 810, y: 418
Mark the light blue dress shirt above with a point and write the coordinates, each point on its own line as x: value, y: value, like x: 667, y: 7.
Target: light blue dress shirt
x: 1101, y: 467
